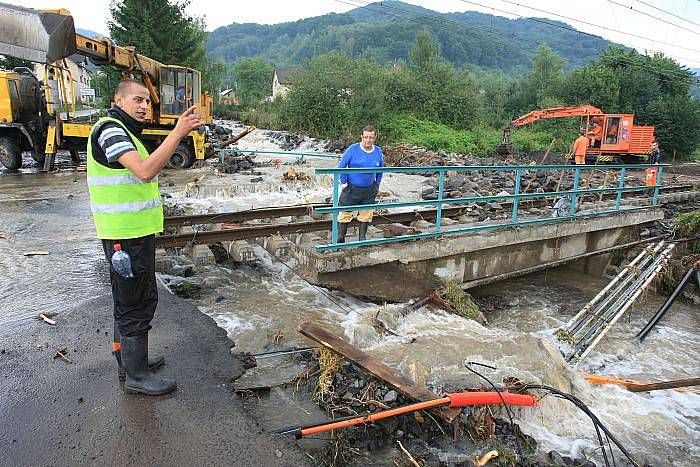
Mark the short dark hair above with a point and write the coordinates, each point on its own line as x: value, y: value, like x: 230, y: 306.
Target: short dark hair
x: 581, y: 132
x: 370, y: 128
x: 126, y: 83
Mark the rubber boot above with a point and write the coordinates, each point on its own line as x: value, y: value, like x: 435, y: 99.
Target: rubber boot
x: 362, y: 231
x: 154, y: 362
x: 139, y: 378
x: 342, y: 231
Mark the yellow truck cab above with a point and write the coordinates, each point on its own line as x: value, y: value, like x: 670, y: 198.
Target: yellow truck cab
x: 22, y: 118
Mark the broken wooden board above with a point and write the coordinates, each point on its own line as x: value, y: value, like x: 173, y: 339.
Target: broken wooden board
x: 388, y: 375
x: 642, y: 386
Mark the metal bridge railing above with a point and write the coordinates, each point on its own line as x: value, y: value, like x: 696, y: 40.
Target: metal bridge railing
x: 516, y: 219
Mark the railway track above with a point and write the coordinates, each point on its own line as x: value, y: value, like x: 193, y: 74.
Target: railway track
x: 236, y: 228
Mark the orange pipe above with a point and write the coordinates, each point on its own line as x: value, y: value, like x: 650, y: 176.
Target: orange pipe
x: 375, y: 416
x: 459, y: 399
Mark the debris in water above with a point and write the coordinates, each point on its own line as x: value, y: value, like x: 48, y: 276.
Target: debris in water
x: 62, y: 353
x: 36, y: 253
x: 5, y: 236
x: 485, y: 459
x: 46, y: 319
x: 329, y: 363
x: 459, y: 302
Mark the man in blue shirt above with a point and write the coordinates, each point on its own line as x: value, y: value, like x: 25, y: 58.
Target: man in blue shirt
x: 361, y: 188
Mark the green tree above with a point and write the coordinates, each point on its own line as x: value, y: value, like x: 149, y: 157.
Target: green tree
x: 213, y: 77
x: 8, y: 63
x: 159, y: 29
x: 426, y: 52
x: 253, y: 77
x: 543, y: 82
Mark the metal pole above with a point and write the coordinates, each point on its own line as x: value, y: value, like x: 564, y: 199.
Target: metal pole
x: 620, y: 186
x: 334, y: 228
x: 441, y: 189
x: 667, y: 304
x: 574, y: 196
x: 602, y: 293
x: 517, y: 196
x: 655, y: 201
x: 610, y: 316
x: 645, y: 284
x: 602, y: 313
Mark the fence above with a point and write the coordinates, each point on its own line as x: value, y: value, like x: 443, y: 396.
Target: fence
x: 568, y: 197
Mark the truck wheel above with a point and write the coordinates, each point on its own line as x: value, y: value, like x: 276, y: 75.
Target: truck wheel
x: 182, y: 158
x: 10, y: 154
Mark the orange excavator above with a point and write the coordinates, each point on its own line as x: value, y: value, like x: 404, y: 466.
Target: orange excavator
x: 612, y: 137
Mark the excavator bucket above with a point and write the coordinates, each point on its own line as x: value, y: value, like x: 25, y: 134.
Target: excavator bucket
x: 34, y: 35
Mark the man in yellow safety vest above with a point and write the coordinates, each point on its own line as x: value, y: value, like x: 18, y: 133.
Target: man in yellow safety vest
x: 128, y: 212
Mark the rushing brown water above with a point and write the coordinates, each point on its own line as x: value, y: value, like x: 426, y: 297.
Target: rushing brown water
x: 255, y: 302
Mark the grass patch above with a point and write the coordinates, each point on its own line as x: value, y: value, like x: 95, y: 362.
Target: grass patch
x: 688, y: 224
x: 408, y: 129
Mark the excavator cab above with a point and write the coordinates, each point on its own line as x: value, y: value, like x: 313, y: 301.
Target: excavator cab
x: 180, y: 88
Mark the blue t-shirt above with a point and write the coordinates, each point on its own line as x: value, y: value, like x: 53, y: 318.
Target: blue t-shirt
x: 357, y: 158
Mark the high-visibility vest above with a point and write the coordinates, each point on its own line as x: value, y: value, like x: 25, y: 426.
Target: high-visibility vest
x: 123, y: 206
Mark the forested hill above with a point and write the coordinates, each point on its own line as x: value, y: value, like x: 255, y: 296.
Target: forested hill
x: 386, y: 32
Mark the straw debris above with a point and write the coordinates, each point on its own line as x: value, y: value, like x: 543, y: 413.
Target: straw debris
x: 329, y: 363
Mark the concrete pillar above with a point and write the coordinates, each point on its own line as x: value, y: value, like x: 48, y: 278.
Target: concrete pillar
x: 241, y: 251
x: 279, y: 247
x: 202, y: 256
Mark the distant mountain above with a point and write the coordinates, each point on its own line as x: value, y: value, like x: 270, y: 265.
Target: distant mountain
x: 386, y: 31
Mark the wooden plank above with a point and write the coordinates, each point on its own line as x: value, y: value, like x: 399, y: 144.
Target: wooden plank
x: 390, y: 376
x: 678, y: 383
x: 633, y: 385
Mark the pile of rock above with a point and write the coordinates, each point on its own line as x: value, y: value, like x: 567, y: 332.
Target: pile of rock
x: 235, y: 164
x: 218, y: 134
x: 285, y: 141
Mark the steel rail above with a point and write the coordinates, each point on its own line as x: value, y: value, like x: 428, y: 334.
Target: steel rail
x: 265, y: 213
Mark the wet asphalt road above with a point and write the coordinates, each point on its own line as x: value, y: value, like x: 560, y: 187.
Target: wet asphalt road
x: 57, y: 413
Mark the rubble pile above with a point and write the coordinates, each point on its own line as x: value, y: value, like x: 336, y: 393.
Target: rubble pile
x: 219, y: 134
x: 337, y: 145
x: 430, y: 440
x: 285, y: 141
x: 236, y: 164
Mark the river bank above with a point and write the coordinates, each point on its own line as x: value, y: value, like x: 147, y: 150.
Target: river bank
x: 73, y: 411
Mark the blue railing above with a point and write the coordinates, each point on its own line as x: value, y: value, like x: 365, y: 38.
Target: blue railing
x: 302, y: 154
x: 572, y: 195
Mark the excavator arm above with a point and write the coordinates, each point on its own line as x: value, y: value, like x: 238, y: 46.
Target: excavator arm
x: 556, y: 112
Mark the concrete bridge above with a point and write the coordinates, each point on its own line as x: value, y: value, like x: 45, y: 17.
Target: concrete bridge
x: 405, y: 270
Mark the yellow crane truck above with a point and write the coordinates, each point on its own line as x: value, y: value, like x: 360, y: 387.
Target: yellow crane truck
x: 39, y: 117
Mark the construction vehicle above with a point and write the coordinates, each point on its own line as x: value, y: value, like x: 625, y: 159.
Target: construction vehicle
x: 40, y: 117
x: 612, y: 137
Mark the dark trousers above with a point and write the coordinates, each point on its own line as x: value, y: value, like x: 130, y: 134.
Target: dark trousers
x: 136, y: 298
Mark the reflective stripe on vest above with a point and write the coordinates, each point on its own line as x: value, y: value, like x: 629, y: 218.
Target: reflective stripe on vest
x: 123, y: 205
x: 95, y: 180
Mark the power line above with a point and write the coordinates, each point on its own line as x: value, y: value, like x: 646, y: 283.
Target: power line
x: 652, y: 16
x: 578, y: 21
x: 665, y: 75
x: 668, y: 13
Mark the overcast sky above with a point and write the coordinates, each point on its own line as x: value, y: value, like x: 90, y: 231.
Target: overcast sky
x: 676, y: 37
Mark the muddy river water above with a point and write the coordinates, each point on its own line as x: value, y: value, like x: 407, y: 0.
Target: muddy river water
x: 254, y: 302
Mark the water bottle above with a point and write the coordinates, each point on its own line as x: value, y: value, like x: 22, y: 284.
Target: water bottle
x: 121, y: 261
